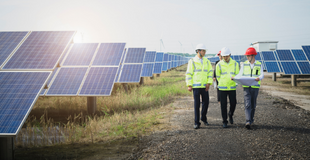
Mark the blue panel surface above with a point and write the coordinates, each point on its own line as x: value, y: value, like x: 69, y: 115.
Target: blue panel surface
x: 159, y: 56
x: 99, y: 81
x: 135, y: 55
x: 166, y: 57
x: 158, y: 68
x: 149, y: 56
x: 18, y: 92
x: 272, y: 67
x: 285, y: 55
x: 147, y: 70
x: 257, y: 57
x: 290, y: 68
x: 130, y: 73
x: 67, y: 81
x: 304, y: 67
x: 8, y: 42
x: 41, y: 50
x: 109, y: 54
x: 307, y: 51
x: 299, y: 55
x: 165, y: 66
x: 268, y: 56
x: 49, y: 80
x: 80, y: 54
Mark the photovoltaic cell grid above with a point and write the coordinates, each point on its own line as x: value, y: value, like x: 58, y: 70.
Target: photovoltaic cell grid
x: 149, y: 56
x: 299, y: 55
x: 18, y: 93
x: 109, y: 54
x: 130, y: 73
x: 135, y: 55
x: 165, y: 57
x: 158, y: 68
x: 285, y: 55
x: 268, y: 56
x: 272, y: 66
x: 99, y: 81
x: 8, y: 42
x: 290, y: 67
x: 165, y: 66
x: 159, y: 57
x: 307, y: 51
x: 147, y: 70
x: 304, y: 67
x: 41, y: 50
x: 80, y: 54
x: 48, y: 81
x: 67, y: 81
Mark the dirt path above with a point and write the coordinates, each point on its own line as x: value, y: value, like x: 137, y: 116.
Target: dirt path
x: 281, y: 131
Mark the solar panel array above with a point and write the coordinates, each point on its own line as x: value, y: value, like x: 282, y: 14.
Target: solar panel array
x: 148, y: 64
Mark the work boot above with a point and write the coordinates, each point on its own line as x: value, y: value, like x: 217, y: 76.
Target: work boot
x: 206, y: 123
x: 225, y: 125
x: 196, y: 126
x: 231, y: 120
x: 247, y: 125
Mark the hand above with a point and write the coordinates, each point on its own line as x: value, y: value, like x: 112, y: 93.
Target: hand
x: 232, y: 78
x: 207, y: 87
x: 189, y: 88
x: 257, y: 79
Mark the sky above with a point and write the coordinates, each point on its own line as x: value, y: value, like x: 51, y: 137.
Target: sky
x: 180, y: 24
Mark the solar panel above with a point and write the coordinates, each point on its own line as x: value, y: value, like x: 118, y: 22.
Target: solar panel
x: 257, y: 57
x: 304, y: 67
x: 49, y: 80
x: 268, y: 56
x: 80, y: 54
x: 307, y: 51
x: 149, y: 56
x: 109, y: 54
x: 159, y: 56
x: 165, y: 66
x: 41, y: 50
x: 147, y: 70
x: 135, y: 55
x: 158, y: 68
x: 299, y: 55
x: 8, y: 42
x: 272, y: 66
x: 285, y: 55
x: 290, y: 67
x: 67, y: 81
x: 130, y: 73
x: 99, y: 81
x: 166, y: 57
x: 18, y: 93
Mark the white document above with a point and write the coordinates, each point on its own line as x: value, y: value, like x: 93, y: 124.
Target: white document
x: 214, y: 84
x: 248, y: 81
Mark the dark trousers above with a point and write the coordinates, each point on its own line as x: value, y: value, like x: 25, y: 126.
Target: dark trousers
x: 250, y: 97
x: 218, y: 95
x: 232, y: 101
x: 205, y: 104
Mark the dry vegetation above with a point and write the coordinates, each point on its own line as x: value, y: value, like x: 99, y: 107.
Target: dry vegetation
x: 64, y: 120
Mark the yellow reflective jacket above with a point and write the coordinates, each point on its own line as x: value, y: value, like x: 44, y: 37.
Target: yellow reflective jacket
x: 255, y: 72
x: 197, y: 74
x: 224, y: 72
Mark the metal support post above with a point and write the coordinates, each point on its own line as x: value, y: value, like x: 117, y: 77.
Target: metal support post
x: 125, y: 85
x: 7, y: 148
x: 294, y: 82
x: 91, y: 105
x: 141, y: 81
x: 157, y: 75
x: 274, y: 76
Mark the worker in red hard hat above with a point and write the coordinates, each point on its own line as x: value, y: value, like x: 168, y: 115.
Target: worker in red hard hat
x: 251, y: 68
x: 214, y: 76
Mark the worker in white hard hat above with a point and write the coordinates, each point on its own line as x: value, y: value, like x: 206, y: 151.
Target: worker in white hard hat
x: 214, y: 77
x: 225, y: 70
x: 198, y: 79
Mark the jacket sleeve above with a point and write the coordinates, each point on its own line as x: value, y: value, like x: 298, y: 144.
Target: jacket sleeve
x: 218, y: 72
x: 189, y: 73
x: 210, y: 73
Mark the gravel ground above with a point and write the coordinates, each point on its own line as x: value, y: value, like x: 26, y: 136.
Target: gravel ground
x: 281, y: 131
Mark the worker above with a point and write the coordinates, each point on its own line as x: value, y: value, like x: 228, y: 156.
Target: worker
x: 225, y: 70
x: 198, y: 79
x: 251, y: 68
x: 214, y: 77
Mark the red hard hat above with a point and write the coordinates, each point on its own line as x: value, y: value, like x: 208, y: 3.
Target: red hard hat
x: 219, y: 53
x: 250, y: 51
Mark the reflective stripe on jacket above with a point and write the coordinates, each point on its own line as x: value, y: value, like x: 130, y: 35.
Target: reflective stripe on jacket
x: 255, y: 72
x: 197, y: 74
x: 224, y: 72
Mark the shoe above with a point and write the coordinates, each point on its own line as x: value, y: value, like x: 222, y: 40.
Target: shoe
x: 231, y: 120
x: 247, y: 125
x: 206, y: 123
x: 225, y: 125
x: 196, y: 126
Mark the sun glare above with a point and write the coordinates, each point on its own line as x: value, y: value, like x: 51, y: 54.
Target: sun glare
x: 78, y: 38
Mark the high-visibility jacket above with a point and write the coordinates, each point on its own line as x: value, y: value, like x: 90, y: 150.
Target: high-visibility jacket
x: 197, y: 74
x: 255, y: 72
x: 224, y: 72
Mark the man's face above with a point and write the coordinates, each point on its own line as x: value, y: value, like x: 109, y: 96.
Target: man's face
x: 226, y: 58
x: 220, y: 57
x: 249, y: 57
x: 202, y: 52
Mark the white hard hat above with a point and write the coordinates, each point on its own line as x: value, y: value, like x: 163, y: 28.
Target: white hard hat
x: 201, y: 46
x: 225, y: 51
